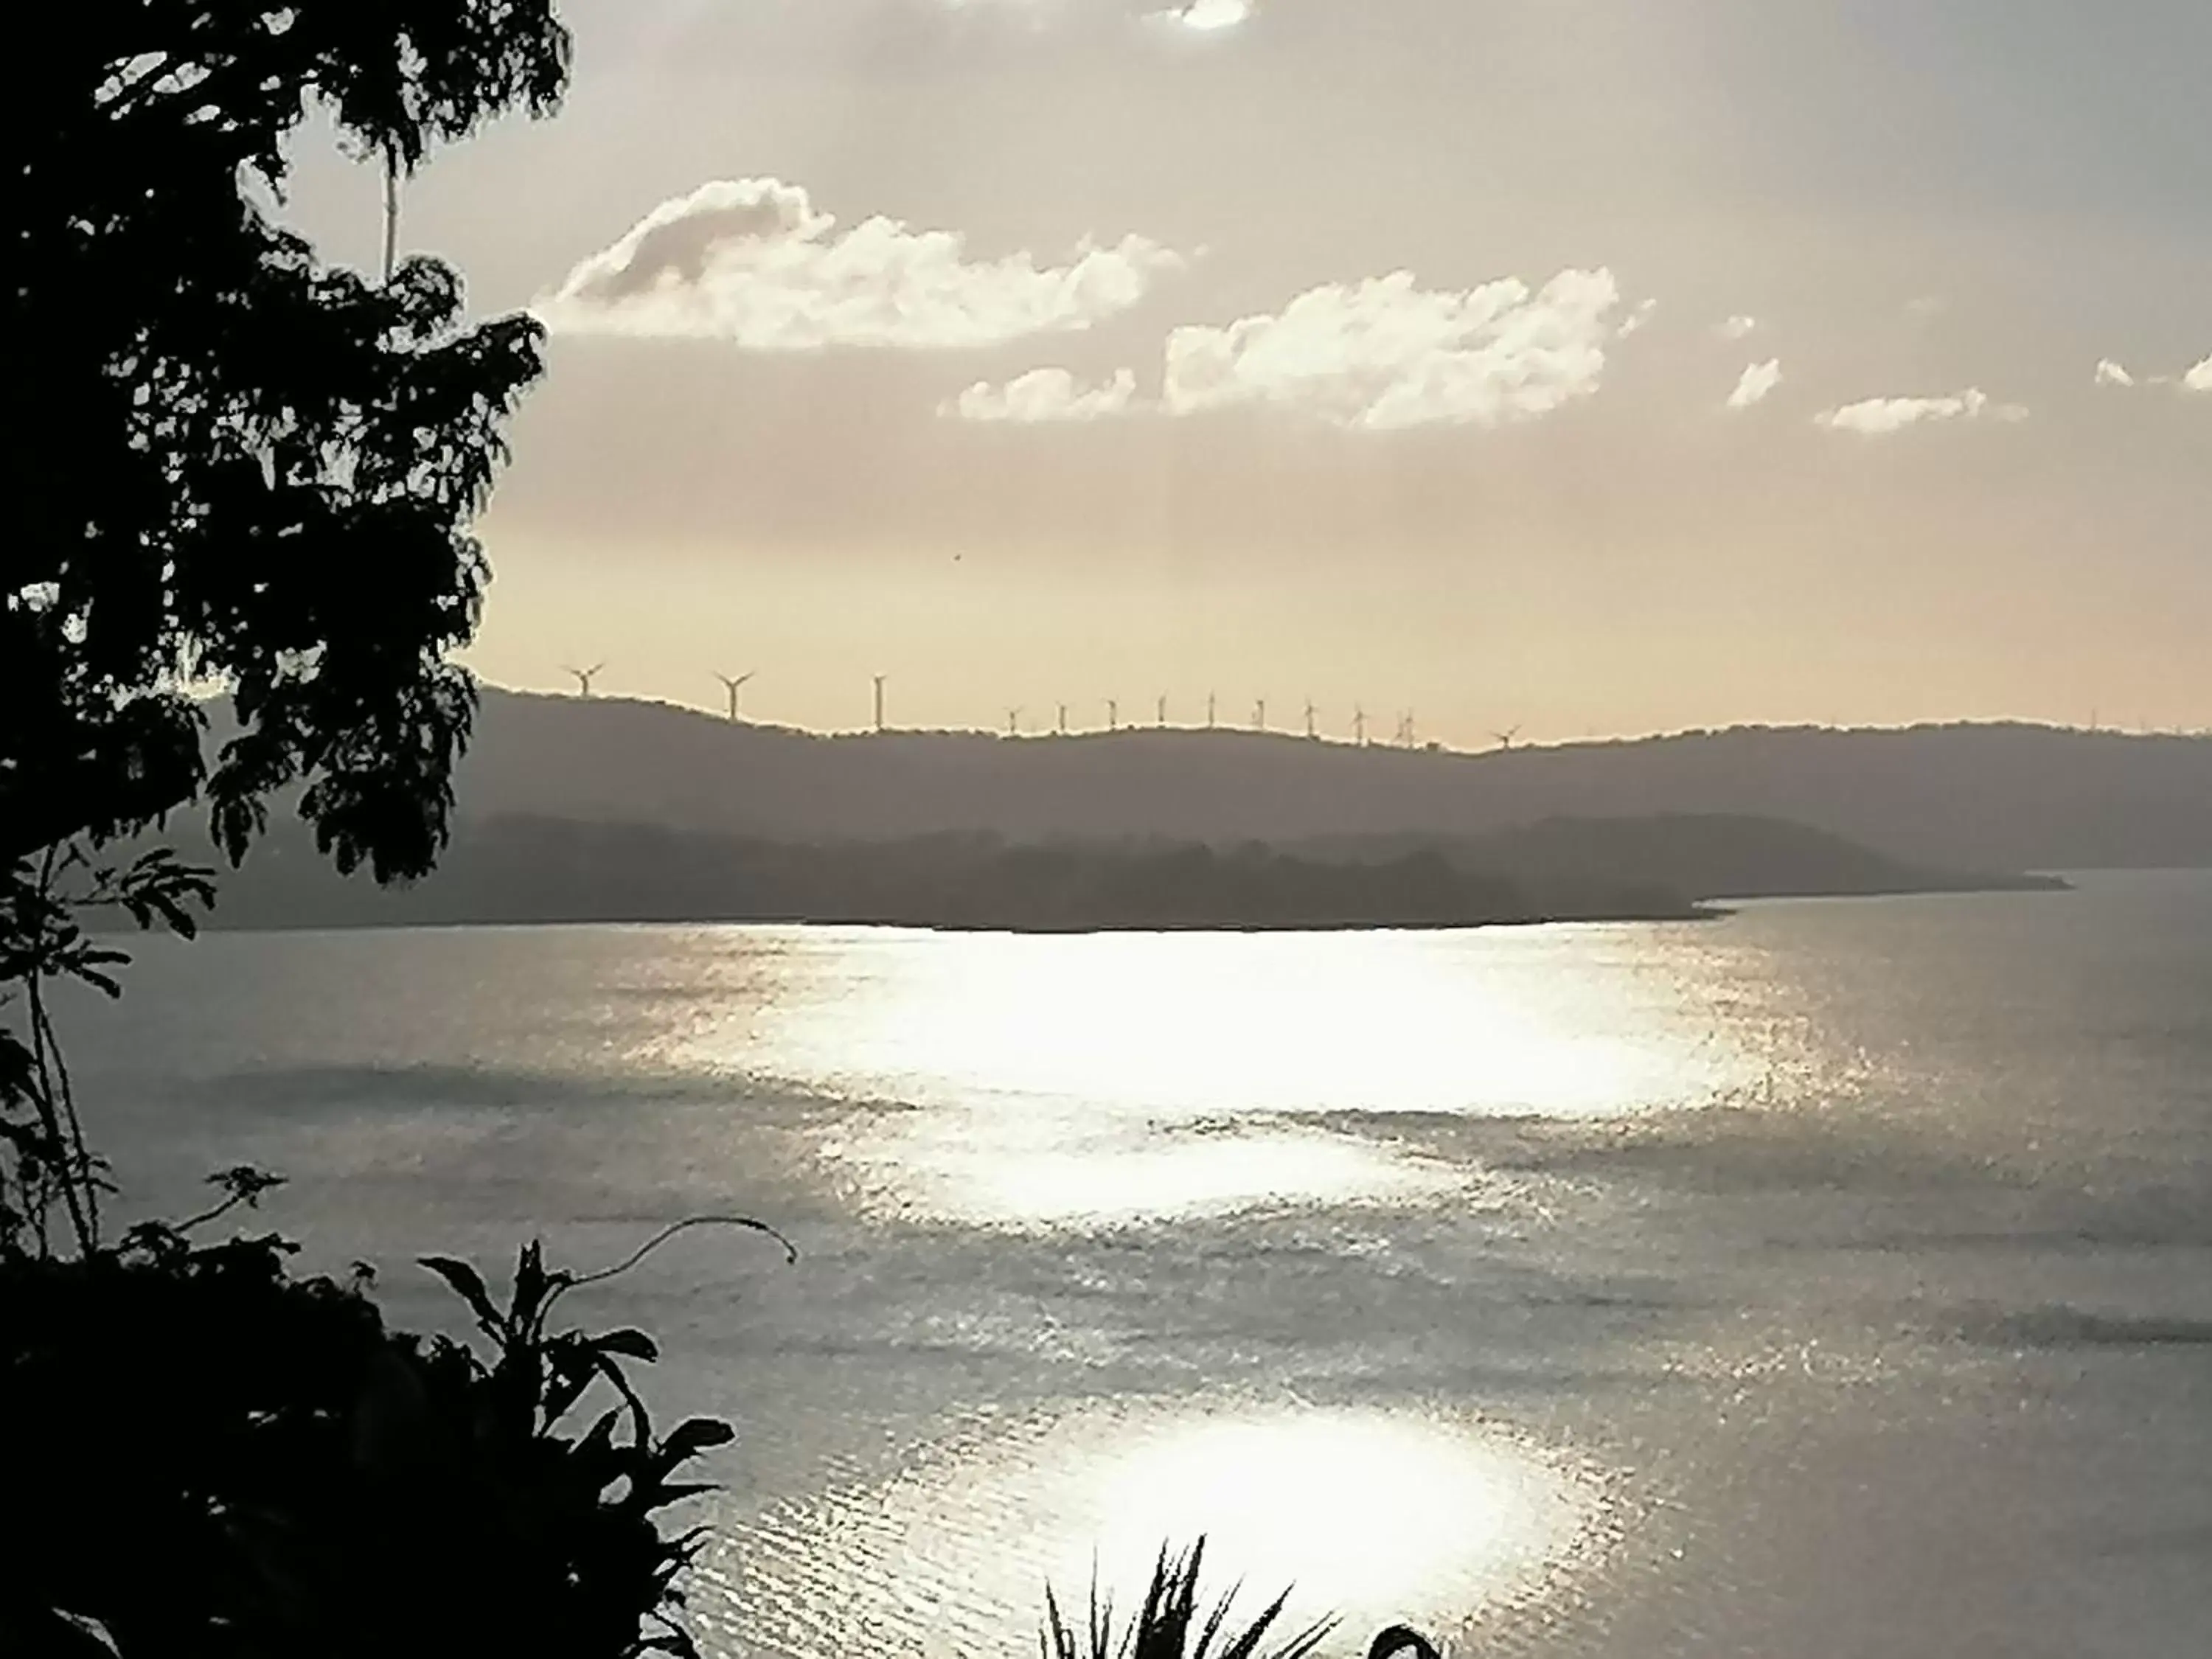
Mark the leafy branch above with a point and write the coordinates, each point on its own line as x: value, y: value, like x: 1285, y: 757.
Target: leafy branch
x: 45, y: 906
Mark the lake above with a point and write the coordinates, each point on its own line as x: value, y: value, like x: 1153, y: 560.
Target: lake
x: 1834, y: 1279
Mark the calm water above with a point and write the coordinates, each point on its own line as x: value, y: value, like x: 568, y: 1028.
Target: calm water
x: 1832, y: 1279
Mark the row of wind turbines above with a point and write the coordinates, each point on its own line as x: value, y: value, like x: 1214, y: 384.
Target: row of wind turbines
x: 1406, y: 736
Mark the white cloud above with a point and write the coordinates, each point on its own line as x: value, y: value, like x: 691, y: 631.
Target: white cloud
x: 750, y: 261
x: 1879, y: 416
x: 1633, y: 323
x: 1045, y: 394
x: 1737, y: 328
x: 1385, y: 353
x: 1758, y: 382
x: 1207, y: 16
x: 2112, y: 374
x: 2199, y: 379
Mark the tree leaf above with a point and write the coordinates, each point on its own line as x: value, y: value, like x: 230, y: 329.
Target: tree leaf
x: 697, y: 1434
x: 468, y: 1284
x: 631, y: 1344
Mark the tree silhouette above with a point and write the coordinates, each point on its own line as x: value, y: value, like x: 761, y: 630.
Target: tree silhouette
x: 230, y: 464
x: 231, y: 467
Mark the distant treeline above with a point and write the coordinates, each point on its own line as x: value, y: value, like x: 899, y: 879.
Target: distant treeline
x: 524, y: 869
x: 1698, y: 856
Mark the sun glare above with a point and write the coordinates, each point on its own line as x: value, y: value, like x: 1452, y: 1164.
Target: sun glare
x: 1369, y: 1515
x: 1129, y: 1076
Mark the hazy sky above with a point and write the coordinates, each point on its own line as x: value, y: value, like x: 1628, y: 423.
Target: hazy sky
x: 1583, y: 365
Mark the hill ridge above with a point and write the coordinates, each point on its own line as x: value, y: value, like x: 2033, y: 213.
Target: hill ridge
x: 2000, y: 795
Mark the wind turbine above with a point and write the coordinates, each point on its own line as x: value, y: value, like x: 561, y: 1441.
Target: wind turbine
x: 1260, y: 715
x: 734, y: 683
x: 1209, y: 711
x: 584, y: 676
x: 1506, y: 738
x: 879, y: 680
x: 1113, y: 715
x: 1359, y: 725
x: 1014, y: 722
x: 1310, y: 711
x: 1063, y: 719
x: 1160, y: 717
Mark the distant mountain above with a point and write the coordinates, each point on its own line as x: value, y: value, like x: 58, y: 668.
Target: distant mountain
x: 514, y: 869
x: 1982, y: 796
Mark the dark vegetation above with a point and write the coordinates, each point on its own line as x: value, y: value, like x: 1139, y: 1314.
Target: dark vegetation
x: 231, y: 465
x: 229, y: 1460
x: 520, y: 869
x: 1697, y: 856
x: 532, y: 870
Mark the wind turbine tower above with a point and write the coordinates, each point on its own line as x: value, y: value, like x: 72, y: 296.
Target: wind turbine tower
x: 1209, y: 711
x: 1014, y: 722
x: 584, y: 676
x: 1063, y: 719
x: 1260, y: 715
x: 879, y: 680
x: 1113, y: 715
x: 1310, y: 711
x: 1359, y: 725
x: 1507, y: 737
x: 1160, y: 713
x: 734, y: 683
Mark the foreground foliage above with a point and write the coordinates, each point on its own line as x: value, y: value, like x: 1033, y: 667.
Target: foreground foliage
x: 1173, y: 1622
x: 234, y: 468
x: 231, y: 466
x: 216, y: 1460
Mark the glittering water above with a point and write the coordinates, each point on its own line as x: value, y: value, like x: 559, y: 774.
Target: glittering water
x: 1832, y: 1279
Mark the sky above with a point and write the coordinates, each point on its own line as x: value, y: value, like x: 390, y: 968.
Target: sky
x: 1585, y: 367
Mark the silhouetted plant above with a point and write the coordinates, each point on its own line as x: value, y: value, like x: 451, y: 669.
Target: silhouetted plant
x: 214, y: 1458
x: 44, y: 1162
x: 1171, y: 1622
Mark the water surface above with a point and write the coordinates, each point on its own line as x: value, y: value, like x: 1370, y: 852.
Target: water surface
x: 1835, y: 1278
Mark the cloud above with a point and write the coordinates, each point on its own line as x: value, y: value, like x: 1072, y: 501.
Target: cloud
x: 1043, y: 395
x: 2199, y: 379
x: 1207, y: 16
x: 1737, y: 328
x: 1385, y: 353
x: 1758, y: 381
x: 750, y: 261
x: 1634, y: 322
x: 2112, y: 374
x: 1879, y: 416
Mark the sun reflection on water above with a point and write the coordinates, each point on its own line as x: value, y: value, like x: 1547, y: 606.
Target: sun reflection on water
x: 1280, y: 1023
x: 1051, y: 1080
x: 1373, y: 1515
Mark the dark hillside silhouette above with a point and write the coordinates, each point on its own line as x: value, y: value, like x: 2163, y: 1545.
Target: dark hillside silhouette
x: 1959, y: 797
x: 531, y: 869
x: 1700, y: 856
x: 542, y: 870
